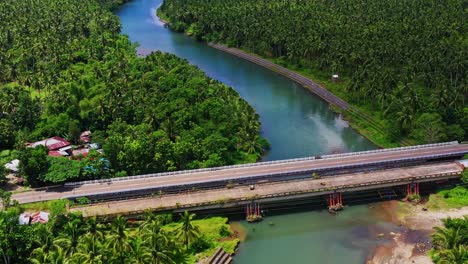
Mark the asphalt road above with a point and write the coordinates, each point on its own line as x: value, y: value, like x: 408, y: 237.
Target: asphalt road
x: 231, y: 173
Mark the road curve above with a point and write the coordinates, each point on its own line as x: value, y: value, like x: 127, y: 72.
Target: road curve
x: 234, y: 173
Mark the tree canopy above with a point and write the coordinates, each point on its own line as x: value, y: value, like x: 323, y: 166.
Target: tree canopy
x: 70, y: 238
x: 403, y: 58
x: 65, y: 68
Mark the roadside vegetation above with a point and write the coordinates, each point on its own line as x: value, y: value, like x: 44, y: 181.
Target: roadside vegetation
x: 402, y: 62
x: 452, y: 198
x: 451, y: 242
x: 70, y: 238
x: 65, y: 68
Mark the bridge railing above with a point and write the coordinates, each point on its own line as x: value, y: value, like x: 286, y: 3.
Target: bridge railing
x: 152, y: 175
x: 223, y: 180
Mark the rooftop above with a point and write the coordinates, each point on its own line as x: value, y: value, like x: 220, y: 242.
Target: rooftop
x: 53, y: 143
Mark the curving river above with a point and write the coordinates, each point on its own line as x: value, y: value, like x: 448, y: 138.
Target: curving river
x: 297, y: 124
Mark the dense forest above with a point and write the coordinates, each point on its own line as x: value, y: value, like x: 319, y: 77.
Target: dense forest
x: 65, y: 68
x: 70, y: 238
x: 405, y: 59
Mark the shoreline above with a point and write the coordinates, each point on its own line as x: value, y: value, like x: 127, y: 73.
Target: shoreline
x: 413, y: 242
x: 337, y: 105
x: 357, y: 119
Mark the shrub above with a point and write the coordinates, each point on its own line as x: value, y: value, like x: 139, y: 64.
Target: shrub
x: 224, y: 231
x: 83, y: 200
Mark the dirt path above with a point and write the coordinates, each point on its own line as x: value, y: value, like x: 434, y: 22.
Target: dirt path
x: 426, y: 220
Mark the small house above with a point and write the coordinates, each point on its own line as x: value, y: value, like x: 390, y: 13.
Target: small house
x: 33, y: 218
x: 57, y: 146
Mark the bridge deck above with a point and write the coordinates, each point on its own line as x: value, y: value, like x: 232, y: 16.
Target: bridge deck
x: 344, y: 183
x: 225, y: 174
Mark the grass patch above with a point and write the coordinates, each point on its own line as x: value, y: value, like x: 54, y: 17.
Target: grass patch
x: 48, y: 206
x: 446, y: 199
x: 215, y: 230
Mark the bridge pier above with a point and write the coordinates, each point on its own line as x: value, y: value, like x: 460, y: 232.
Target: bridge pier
x: 412, y: 189
x: 253, y: 213
x: 335, y: 202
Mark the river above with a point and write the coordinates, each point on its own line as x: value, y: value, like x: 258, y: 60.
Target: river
x: 296, y: 123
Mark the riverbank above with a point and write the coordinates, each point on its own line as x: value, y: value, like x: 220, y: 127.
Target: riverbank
x: 369, y: 124
x: 412, y: 243
x: 364, y: 122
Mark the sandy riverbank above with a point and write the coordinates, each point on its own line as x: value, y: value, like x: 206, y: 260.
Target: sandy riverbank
x: 412, y: 243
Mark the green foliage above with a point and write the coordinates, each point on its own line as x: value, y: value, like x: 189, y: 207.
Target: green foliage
x: 83, y: 200
x: 430, y: 128
x: 69, y: 238
x: 95, y: 166
x: 224, y: 231
x: 187, y: 232
x: 65, y: 68
x: 3, y: 173
x: 16, y: 242
x: 464, y: 177
x: 61, y: 170
x: 456, y: 197
x: 5, y: 198
x: 453, y: 198
x: 58, y: 207
x: 402, y: 59
x: 18, y: 111
x: 451, y: 242
x: 33, y: 164
x: 39, y: 169
x: 414, y: 198
x: 316, y: 176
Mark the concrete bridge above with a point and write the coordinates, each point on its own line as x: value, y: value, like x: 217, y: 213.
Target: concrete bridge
x: 325, y: 192
x: 256, y: 173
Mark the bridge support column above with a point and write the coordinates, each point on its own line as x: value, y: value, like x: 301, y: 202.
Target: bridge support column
x: 412, y: 188
x: 253, y: 213
x: 335, y: 202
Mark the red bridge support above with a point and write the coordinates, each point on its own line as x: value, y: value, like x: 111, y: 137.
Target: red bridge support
x: 412, y: 188
x: 335, y: 202
x: 253, y: 212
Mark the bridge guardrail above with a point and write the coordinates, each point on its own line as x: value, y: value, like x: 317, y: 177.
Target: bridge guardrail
x: 259, y: 176
x: 152, y: 175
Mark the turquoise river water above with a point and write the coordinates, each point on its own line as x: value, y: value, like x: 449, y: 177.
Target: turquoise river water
x: 297, y: 124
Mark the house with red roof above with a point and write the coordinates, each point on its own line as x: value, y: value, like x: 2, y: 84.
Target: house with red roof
x: 57, y: 146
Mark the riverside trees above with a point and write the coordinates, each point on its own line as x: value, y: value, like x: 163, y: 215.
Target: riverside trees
x: 405, y: 59
x: 451, y: 241
x: 69, y: 238
x: 65, y: 68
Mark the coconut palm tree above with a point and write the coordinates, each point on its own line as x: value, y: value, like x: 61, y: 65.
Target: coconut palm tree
x: 187, y: 231
x: 90, y: 250
x: 458, y: 255
x: 140, y: 254
x: 156, y: 240
x: 446, y: 238
x: 68, y: 240
x: 118, y: 239
x: 93, y: 228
